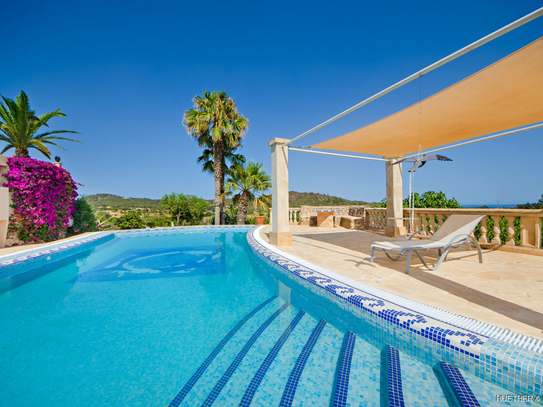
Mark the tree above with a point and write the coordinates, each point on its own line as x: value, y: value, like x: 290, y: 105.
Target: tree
x: 183, y: 207
x: 19, y: 124
x: 208, y: 165
x: 130, y: 221
x: 176, y: 204
x: 248, y: 183
x: 429, y: 199
x: 215, y: 120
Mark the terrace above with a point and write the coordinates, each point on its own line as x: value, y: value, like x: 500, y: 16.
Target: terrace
x: 505, y: 291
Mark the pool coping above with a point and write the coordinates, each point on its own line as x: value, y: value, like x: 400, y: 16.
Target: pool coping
x: 500, y: 356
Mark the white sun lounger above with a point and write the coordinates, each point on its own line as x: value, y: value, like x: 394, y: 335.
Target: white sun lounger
x: 455, y: 231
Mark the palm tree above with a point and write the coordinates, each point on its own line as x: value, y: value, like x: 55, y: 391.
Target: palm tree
x: 248, y: 183
x: 206, y: 160
x: 19, y: 124
x: 215, y: 119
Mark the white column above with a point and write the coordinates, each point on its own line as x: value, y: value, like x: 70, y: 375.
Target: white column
x: 280, y: 234
x: 394, y: 227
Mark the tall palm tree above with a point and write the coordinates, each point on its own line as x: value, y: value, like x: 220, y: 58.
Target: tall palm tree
x: 248, y: 183
x: 215, y: 119
x: 208, y: 165
x: 19, y: 124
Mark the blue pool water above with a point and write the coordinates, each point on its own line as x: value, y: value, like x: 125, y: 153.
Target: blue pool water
x: 193, y: 318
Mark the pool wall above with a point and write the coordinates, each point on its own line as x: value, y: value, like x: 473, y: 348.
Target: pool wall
x: 427, y: 338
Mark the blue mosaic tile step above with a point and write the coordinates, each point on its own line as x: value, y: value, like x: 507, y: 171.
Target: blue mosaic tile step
x: 218, y: 367
x: 233, y: 391
x: 274, y: 382
x: 317, y: 380
x: 239, y: 358
x: 461, y: 389
x: 365, y: 378
x: 294, y: 378
x: 341, y: 386
x: 257, y: 379
x: 394, y: 378
x: 489, y: 394
x: 196, y: 376
x: 421, y: 386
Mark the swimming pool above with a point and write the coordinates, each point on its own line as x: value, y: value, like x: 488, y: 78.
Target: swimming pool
x: 211, y: 316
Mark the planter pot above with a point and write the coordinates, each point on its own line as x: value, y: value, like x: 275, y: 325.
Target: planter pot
x: 260, y: 220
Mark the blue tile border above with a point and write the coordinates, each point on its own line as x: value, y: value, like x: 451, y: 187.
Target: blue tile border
x: 196, y: 376
x: 33, y: 253
x: 239, y: 358
x: 341, y: 386
x: 394, y: 378
x: 516, y: 369
x: 257, y: 379
x: 461, y: 389
x: 298, y: 369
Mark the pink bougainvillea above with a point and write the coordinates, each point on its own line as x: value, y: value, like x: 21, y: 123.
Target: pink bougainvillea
x: 43, y: 198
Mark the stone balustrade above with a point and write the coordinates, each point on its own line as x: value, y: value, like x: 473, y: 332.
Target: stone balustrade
x: 294, y: 216
x: 513, y: 229
x: 507, y: 227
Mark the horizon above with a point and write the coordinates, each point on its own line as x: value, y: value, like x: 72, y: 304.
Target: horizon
x: 125, y: 74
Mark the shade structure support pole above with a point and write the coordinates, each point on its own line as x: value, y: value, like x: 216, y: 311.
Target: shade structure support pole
x: 515, y: 24
x: 394, y: 226
x: 280, y: 234
x: 306, y: 150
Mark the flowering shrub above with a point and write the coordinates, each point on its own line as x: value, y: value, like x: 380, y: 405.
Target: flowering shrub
x: 43, y: 198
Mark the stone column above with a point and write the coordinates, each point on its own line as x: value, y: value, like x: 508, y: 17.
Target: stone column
x: 394, y: 227
x: 280, y: 234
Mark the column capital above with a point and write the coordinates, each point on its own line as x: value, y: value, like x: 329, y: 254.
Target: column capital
x: 277, y: 140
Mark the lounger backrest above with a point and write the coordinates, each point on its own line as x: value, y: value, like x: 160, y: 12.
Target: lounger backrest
x: 455, y: 225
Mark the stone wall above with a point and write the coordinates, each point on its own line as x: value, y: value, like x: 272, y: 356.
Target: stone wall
x: 350, y: 217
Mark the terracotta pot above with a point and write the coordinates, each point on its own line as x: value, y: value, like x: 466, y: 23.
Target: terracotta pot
x: 260, y: 220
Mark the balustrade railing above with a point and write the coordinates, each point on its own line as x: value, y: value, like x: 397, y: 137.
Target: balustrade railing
x: 294, y: 216
x: 508, y: 227
x: 499, y: 227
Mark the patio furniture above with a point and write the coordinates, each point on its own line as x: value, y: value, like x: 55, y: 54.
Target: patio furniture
x: 455, y: 232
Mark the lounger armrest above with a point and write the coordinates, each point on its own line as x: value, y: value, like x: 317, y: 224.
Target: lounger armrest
x: 457, y: 238
x: 420, y: 231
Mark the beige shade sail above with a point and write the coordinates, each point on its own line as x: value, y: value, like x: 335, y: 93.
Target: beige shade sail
x: 502, y: 96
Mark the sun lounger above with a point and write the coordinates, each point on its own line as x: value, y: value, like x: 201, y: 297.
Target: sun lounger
x: 455, y: 232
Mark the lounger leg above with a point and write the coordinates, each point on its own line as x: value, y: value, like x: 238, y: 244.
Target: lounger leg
x: 409, y: 253
x: 372, y: 250
x: 478, y: 249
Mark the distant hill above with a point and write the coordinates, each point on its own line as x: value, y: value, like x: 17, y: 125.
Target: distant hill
x: 119, y: 203
x: 296, y: 199
x: 115, y: 202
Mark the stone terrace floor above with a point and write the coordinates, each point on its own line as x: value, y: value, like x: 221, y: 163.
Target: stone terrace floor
x: 506, y: 290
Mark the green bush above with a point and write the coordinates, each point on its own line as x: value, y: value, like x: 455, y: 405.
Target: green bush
x: 130, y: 221
x: 84, y: 218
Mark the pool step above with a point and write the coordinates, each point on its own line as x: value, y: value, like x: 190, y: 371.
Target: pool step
x: 279, y: 356
x: 195, y: 391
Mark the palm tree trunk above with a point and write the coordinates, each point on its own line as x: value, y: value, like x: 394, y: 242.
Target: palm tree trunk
x: 243, y: 205
x: 223, y: 206
x: 218, y: 148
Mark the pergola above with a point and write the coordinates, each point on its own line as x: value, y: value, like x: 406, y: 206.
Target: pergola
x: 503, y: 98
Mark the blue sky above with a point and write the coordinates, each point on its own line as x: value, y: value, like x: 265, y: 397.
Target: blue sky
x: 125, y: 72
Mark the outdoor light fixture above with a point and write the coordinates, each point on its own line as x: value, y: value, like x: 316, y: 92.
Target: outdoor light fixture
x: 57, y: 159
